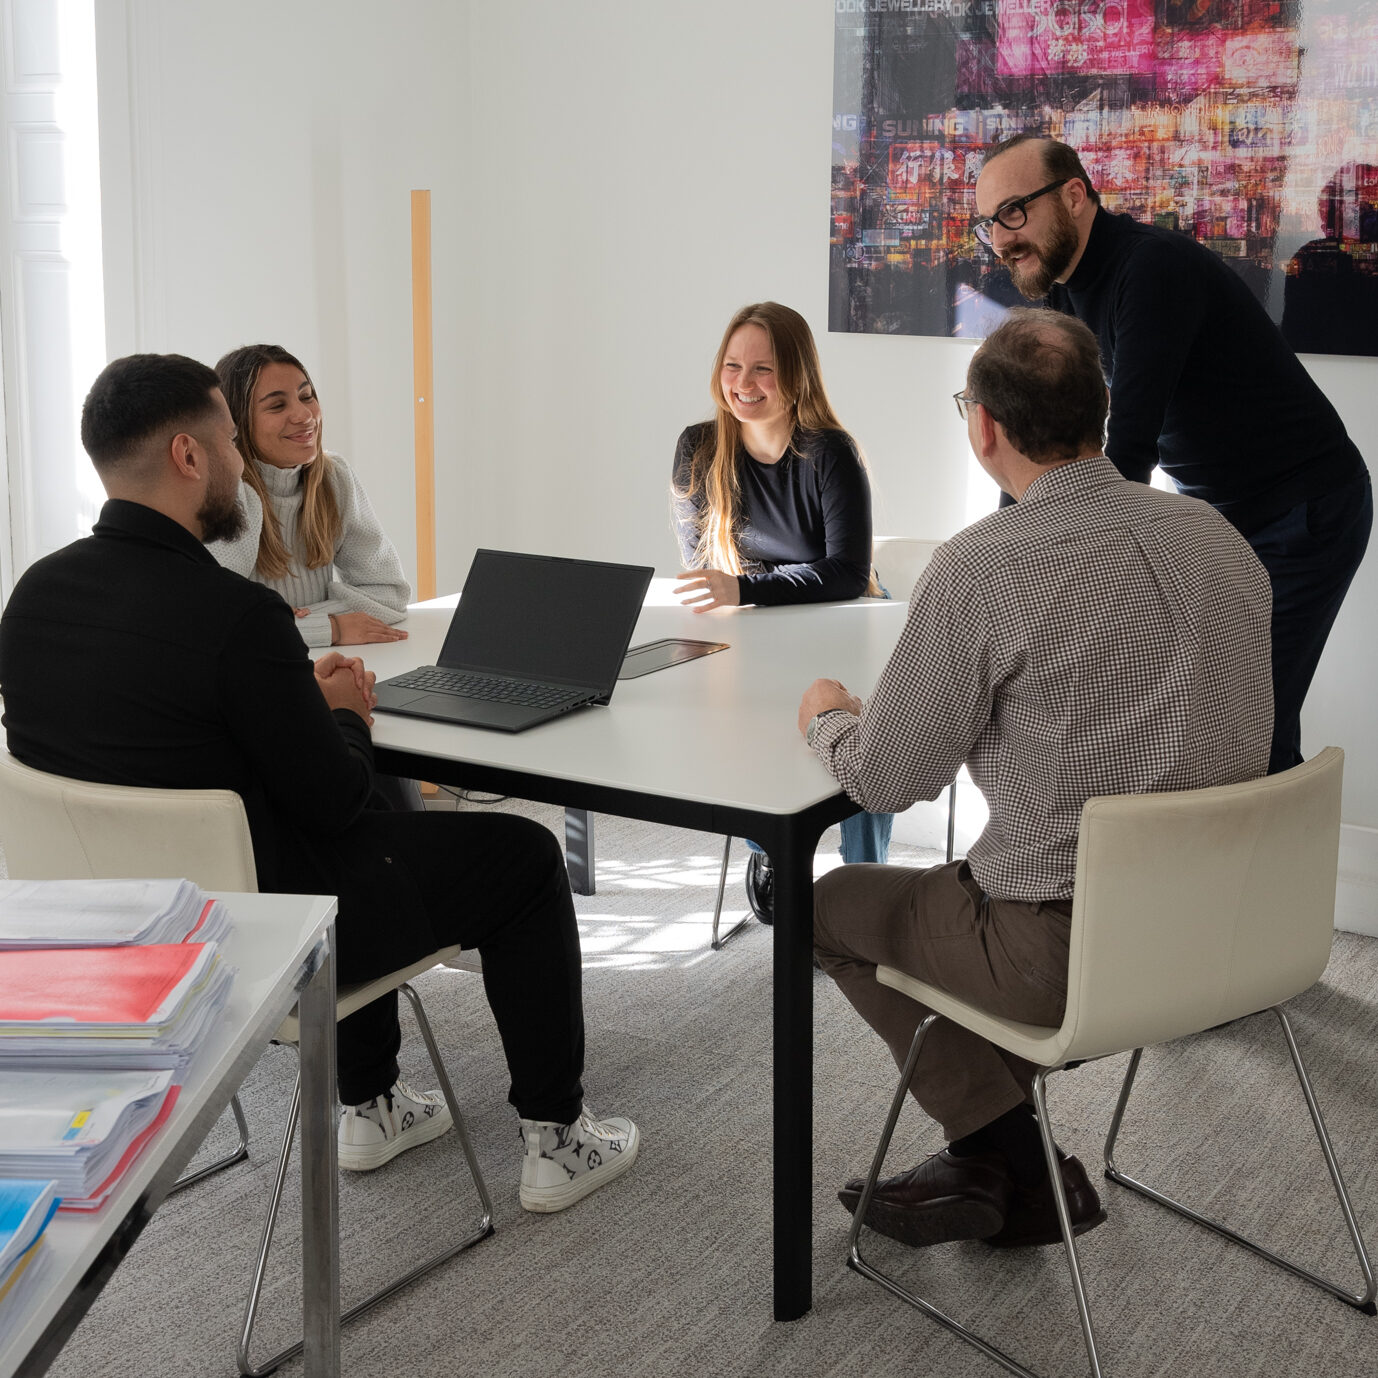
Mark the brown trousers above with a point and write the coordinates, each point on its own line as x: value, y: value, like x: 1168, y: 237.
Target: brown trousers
x: 1008, y: 957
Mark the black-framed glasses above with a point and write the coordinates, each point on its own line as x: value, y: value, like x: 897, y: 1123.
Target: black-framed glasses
x: 1013, y: 215
x: 963, y: 402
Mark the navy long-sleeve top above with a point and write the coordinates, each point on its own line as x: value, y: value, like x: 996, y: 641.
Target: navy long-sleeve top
x: 804, y: 524
x: 1202, y: 383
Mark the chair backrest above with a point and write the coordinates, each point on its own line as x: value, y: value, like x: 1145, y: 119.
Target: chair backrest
x: 1198, y: 907
x: 53, y: 828
x: 899, y: 561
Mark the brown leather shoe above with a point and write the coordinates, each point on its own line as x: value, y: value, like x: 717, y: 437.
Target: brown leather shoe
x: 943, y: 1199
x: 1032, y: 1215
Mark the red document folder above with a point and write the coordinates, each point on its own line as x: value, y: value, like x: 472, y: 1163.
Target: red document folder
x: 92, y: 985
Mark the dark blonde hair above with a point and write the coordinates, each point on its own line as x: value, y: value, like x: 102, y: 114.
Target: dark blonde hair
x: 320, y: 522
x: 714, y: 484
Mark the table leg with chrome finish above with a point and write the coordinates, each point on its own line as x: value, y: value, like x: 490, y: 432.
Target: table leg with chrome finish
x: 320, y: 1233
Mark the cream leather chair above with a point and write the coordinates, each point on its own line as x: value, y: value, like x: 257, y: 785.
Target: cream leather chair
x: 56, y: 828
x: 1191, y: 910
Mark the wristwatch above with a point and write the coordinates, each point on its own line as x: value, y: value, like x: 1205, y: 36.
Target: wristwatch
x: 811, y: 731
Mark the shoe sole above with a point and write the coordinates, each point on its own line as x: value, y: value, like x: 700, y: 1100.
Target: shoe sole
x: 1040, y: 1241
x: 366, y: 1157
x: 548, y: 1200
x: 937, y: 1222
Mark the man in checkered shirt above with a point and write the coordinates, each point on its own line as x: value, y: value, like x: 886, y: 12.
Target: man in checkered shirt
x: 1096, y: 637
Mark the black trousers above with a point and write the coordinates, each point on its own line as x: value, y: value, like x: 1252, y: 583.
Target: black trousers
x: 489, y: 881
x: 1311, y: 554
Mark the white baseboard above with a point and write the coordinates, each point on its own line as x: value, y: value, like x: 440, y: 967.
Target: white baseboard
x: 1356, y: 896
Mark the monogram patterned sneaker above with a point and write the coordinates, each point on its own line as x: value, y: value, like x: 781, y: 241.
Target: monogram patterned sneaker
x: 563, y: 1163
x: 373, y: 1134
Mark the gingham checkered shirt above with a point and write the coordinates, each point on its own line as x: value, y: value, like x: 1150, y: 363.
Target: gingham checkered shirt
x: 1097, y: 637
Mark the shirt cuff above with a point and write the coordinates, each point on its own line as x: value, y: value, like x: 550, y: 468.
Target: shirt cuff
x: 818, y: 724
x: 314, y: 628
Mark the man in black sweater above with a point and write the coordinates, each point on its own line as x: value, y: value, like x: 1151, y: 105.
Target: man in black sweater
x: 133, y: 658
x: 1202, y: 385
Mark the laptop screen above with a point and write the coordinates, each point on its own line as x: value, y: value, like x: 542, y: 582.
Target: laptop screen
x: 542, y: 617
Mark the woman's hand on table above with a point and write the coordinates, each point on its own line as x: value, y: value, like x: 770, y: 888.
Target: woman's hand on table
x: 706, y: 589
x: 357, y: 628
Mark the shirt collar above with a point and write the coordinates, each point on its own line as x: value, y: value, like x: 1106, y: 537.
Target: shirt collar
x: 121, y: 520
x: 1095, y: 255
x: 281, y: 483
x: 1080, y: 476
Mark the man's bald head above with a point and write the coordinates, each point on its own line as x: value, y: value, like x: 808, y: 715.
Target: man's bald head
x: 1039, y: 375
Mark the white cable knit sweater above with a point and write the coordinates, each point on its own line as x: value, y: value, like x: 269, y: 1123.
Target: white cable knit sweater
x: 365, y: 576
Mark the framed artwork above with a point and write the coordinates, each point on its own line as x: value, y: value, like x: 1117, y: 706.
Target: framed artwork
x: 1250, y: 124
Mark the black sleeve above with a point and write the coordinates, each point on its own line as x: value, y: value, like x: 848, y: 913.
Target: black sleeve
x: 687, y: 512
x: 316, y: 766
x: 1156, y: 313
x: 832, y: 470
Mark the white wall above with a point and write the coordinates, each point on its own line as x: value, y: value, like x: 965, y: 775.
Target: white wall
x: 611, y: 180
x: 258, y: 160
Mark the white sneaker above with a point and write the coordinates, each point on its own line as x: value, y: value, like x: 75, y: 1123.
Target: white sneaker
x: 565, y: 1162
x: 373, y: 1134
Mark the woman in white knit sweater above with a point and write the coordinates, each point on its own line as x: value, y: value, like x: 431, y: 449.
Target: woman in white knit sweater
x: 311, y: 532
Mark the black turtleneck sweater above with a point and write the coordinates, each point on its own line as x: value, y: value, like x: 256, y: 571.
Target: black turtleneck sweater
x: 1202, y: 383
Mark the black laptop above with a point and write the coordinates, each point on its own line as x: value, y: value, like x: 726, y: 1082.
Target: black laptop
x: 533, y: 637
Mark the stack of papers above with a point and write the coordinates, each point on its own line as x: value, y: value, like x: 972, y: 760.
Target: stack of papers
x: 96, y: 913
x: 25, y: 1209
x: 107, y: 990
x: 81, y: 1129
x: 109, y: 1007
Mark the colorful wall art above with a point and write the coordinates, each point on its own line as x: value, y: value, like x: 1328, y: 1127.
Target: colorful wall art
x: 1250, y: 124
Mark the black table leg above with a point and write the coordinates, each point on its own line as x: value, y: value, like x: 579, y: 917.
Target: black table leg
x: 579, y: 850
x: 792, y: 860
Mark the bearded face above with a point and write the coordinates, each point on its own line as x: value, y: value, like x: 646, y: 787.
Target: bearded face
x: 1036, y: 263
x: 221, y: 513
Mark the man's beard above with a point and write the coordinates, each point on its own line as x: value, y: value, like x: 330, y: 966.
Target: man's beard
x: 222, y: 516
x: 1050, y: 258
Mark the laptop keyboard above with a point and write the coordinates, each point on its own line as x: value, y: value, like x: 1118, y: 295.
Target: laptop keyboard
x: 494, y: 689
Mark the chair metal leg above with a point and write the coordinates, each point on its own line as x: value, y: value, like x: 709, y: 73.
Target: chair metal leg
x: 1064, y: 1216
x: 236, y: 1155
x: 483, y: 1229
x: 719, y: 943
x: 952, y: 818
x: 858, y: 1264
x: 1364, y: 1300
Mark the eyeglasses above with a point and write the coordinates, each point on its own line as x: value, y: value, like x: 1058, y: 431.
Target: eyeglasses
x: 963, y: 402
x: 1013, y: 215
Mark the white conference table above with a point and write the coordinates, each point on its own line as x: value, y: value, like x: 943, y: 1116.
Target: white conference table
x: 282, y: 947
x: 711, y: 744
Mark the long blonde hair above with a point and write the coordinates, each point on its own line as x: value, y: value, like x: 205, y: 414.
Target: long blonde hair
x: 320, y: 522
x: 714, y: 484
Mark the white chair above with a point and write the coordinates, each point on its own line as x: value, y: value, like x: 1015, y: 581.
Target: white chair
x: 57, y: 828
x: 898, y: 561
x: 1191, y: 910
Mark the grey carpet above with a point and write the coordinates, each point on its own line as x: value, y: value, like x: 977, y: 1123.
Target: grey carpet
x: 667, y: 1272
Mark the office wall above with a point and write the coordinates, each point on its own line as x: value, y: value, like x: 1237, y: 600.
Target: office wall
x: 257, y: 163
x: 611, y: 180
